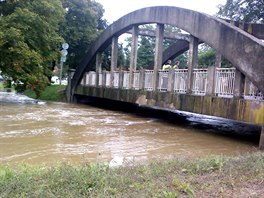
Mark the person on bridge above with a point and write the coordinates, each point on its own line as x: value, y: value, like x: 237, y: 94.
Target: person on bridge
x: 167, y: 65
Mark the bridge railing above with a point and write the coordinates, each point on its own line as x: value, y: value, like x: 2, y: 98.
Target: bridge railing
x: 107, y: 79
x: 116, y: 79
x: 224, y: 81
x: 136, y: 79
x: 180, y: 80
x: 199, y: 81
x: 148, y: 81
x: 163, y: 76
x: 126, y: 79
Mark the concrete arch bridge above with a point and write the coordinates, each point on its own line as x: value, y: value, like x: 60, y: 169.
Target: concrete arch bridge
x: 234, y: 93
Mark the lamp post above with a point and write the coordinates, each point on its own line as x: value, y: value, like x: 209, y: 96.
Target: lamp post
x: 64, y: 53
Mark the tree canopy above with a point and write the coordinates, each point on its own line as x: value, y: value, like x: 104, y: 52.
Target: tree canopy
x: 243, y: 10
x: 29, y: 40
x: 83, y: 23
x: 32, y: 31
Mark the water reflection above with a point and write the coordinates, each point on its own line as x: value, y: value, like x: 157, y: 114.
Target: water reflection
x: 54, y: 132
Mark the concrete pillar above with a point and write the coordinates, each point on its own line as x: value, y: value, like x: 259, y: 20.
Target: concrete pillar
x: 192, y: 61
x: 121, y: 77
x: 211, y: 75
x: 247, y: 87
x: 84, y: 78
x: 103, y: 78
x: 142, y: 79
x: 171, y: 80
x: 261, y: 140
x: 158, y: 53
x: 98, y: 66
x: 218, y: 60
x: 68, y: 88
x: 114, y: 57
x: 133, y: 55
x: 239, y: 85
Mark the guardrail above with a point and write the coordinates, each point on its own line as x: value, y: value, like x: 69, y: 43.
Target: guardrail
x: 177, y: 79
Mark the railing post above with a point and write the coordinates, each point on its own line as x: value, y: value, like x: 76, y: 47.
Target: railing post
x: 121, y: 77
x: 114, y: 57
x: 211, y: 75
x: 98, y: 66
x: 171, y: 80
x: 192, y: 62
x: 68, y: 89
x: 158, y: 54
x: 104, y: 78
x: 142, y: 79
x: 84, y: 78
x: 239, y: 85
x: 133, y: 56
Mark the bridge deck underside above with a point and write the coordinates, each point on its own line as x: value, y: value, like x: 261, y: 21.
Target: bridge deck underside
x: 250, y: 111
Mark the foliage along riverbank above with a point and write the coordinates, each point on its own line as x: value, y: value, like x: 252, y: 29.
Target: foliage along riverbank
x: 52, y: 93
x: 218, y: 176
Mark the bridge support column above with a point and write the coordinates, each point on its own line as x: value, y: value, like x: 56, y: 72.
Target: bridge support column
x: 98, y: 67
x: 114, y: 57
x: 261, y: 140
x: 103, y: 78
x: 121, y: 77
x: 158, y: 53
x: 133, y: 55
x: 210, y: 87
x: 192, y: 62
x: 142, y: 79
x: 239, y: 85
x: 171, y: 80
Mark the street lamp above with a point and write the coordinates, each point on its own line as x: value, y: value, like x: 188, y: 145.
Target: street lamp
x: 64, y: 53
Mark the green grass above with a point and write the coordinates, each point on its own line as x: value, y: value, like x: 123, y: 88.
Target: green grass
x: 216, y: 176
x: 1, y: 86
x: 52, y: 93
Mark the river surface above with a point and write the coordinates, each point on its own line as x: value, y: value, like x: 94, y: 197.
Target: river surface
x: 54, y: 132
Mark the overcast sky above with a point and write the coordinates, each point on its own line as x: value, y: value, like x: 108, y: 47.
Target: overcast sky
x: 114, y: 9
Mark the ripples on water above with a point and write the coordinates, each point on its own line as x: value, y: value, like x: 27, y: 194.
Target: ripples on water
x: 54, y: 132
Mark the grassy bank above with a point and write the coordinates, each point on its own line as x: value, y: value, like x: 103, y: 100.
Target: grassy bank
x: 52, y: 93
x: 241, y: 176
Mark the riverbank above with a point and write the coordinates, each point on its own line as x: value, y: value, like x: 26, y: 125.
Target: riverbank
x: 217, y: 176
x: 51, y: 93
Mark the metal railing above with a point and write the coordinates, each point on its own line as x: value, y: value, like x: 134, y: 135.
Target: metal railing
x: 163, y: 77
x: 136, y: 79
x: 252, y: 92
x: 107, y: 79
x: 180, y: 80
x: 116, y: 79
x: 126, y: 79
x: 149, y: 77
x: 92, y: 78
x: 224, y: 81
x: 100, y: 81
x: 199, y: 81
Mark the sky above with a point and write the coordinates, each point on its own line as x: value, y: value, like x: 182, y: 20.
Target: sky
x: 114, y: 9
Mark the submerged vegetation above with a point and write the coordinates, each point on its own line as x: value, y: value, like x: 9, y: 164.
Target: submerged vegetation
x: 52, y: 93
x: 216, y: 176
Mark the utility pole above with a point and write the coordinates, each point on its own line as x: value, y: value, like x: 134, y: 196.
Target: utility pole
x: 64, y: 53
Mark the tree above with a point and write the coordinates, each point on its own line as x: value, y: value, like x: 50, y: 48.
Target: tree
x: 145, y: 52
x: 243, y: 10
x: 83, y: 23
x: 29, y: 41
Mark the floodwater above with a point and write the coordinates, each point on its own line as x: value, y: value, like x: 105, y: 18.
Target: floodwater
x: 54, y: 132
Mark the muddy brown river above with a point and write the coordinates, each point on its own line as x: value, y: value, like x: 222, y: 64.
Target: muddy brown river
x: 53, y: 132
